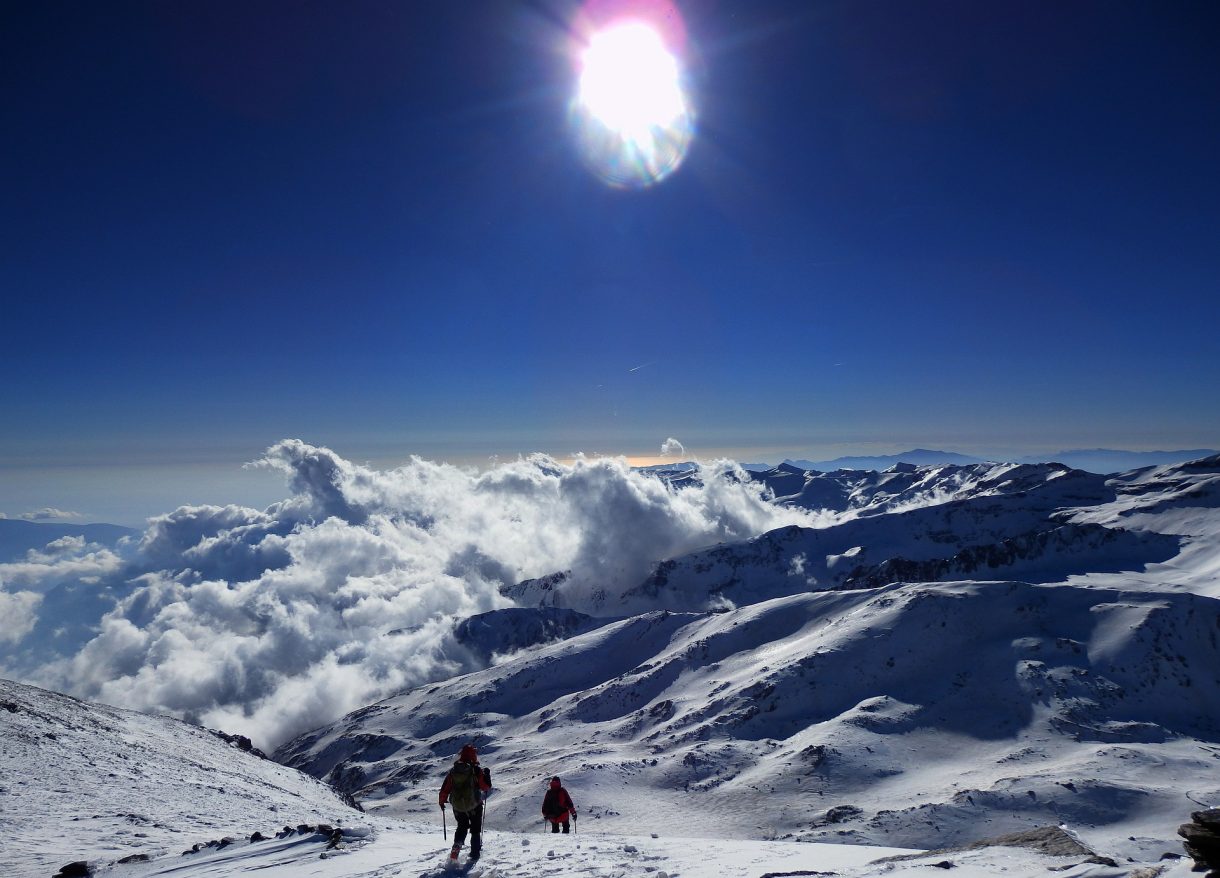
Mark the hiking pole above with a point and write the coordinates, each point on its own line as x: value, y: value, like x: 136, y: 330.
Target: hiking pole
x: 444, y: 823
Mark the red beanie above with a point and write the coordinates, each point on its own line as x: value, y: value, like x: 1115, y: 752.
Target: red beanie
x: 469, y: 754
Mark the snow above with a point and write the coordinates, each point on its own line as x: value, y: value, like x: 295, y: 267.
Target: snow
x: 82, y: 781
x: 957, y: 654
x: 398, y: 848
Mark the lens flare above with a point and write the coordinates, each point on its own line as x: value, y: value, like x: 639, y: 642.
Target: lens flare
x: 632, y: 115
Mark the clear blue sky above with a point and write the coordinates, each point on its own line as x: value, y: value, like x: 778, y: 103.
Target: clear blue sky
x: 986, y: 226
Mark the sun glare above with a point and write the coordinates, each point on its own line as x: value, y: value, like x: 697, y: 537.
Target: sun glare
x: 632, y: 113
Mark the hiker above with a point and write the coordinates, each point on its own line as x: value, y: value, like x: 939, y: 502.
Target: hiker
x: 557, y: 805
x: 464, y: 788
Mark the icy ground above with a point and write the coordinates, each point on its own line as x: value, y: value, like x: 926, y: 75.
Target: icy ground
x: 398, y: 850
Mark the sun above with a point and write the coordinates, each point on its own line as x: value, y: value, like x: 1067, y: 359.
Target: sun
x: 632, y: 110
x: 630, y: 82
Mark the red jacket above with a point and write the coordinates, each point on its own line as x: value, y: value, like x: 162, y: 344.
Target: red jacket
x: 557, y: 805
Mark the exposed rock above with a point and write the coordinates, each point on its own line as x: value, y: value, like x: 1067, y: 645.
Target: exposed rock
x: 1049, y: 840
x: 257, y: 836
x: 77, y: 869
x: 134, y: 858
x: 839, y: 813
x: 241, y: 742
x: 1202, y: 839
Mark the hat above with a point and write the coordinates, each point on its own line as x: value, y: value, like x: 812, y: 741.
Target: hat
x: 555, y: 783
x: 468, y: 754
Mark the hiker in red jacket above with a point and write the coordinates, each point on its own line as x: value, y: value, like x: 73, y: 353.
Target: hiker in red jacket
x: 464, y: 787
x: 557, y: 805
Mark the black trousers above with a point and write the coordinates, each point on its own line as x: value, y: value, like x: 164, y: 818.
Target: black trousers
x: 555, y: 825
x: 471, y: 821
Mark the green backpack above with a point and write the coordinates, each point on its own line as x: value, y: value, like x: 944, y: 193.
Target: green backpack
x: 464, y: 794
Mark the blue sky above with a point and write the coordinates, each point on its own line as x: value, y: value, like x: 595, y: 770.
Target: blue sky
x: 989, y: 227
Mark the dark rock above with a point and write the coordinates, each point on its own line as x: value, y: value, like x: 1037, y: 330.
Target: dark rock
x: 241, y: 742
x: 944, y: 864
x: 304, y: 828
x: 839, y: 813
x: 324, y: 828
x: 1199, y: 835
x: 1209, y: 818
x: 134, y: 858
x: 77, y: 869
x: 257, y: 836
x: 225, y: 842
x: 336, y: 836
x: 1046, y: 839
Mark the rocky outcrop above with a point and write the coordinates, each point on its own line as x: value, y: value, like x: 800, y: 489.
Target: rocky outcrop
x: 241, y: 742
x: 1202, y: 840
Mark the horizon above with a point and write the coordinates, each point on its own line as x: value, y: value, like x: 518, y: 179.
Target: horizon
x: 78, y: 492
x: 381, y: 229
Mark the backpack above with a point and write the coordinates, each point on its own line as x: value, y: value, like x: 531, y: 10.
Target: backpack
x: 464, y: 795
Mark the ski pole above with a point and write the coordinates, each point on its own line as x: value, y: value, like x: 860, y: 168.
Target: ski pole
x: 444, y: 823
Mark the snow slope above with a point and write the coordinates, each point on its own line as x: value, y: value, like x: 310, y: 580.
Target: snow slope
x: 795, y: 703
x: 398, y: 848
x: 81, y: 781
x: 959, y: 653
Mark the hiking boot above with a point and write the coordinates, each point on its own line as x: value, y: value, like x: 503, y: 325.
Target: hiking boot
x: 453, y: 854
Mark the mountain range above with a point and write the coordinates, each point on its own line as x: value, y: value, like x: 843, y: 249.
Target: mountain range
x: 959, y: 651
x: 1018, y: 656
x: 1095, y: 460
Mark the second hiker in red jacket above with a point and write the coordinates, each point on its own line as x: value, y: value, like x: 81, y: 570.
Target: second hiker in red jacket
x: 557, y: 805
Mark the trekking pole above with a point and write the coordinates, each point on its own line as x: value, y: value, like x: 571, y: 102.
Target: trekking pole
x: 444, y: 823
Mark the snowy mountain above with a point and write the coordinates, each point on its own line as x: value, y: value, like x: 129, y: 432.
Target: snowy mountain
x: 917, y: 456
x: 961, y: 652
x: 1109, y: 460
x: 1094, y: 460
x: 914, y: 524
x: 939, y: 657
x: 81, y: 781
x: 94, y: 791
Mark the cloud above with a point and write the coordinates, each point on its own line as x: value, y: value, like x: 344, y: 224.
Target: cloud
x: 272, y: 622
x: 18, y: 611
x: 50, y: 514
x: 671, y: 447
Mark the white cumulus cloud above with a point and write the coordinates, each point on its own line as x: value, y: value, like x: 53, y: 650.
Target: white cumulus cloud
x: 50, y: 514
x: 272, y: 622
x: 671, y: 447
x: 18, y: 610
